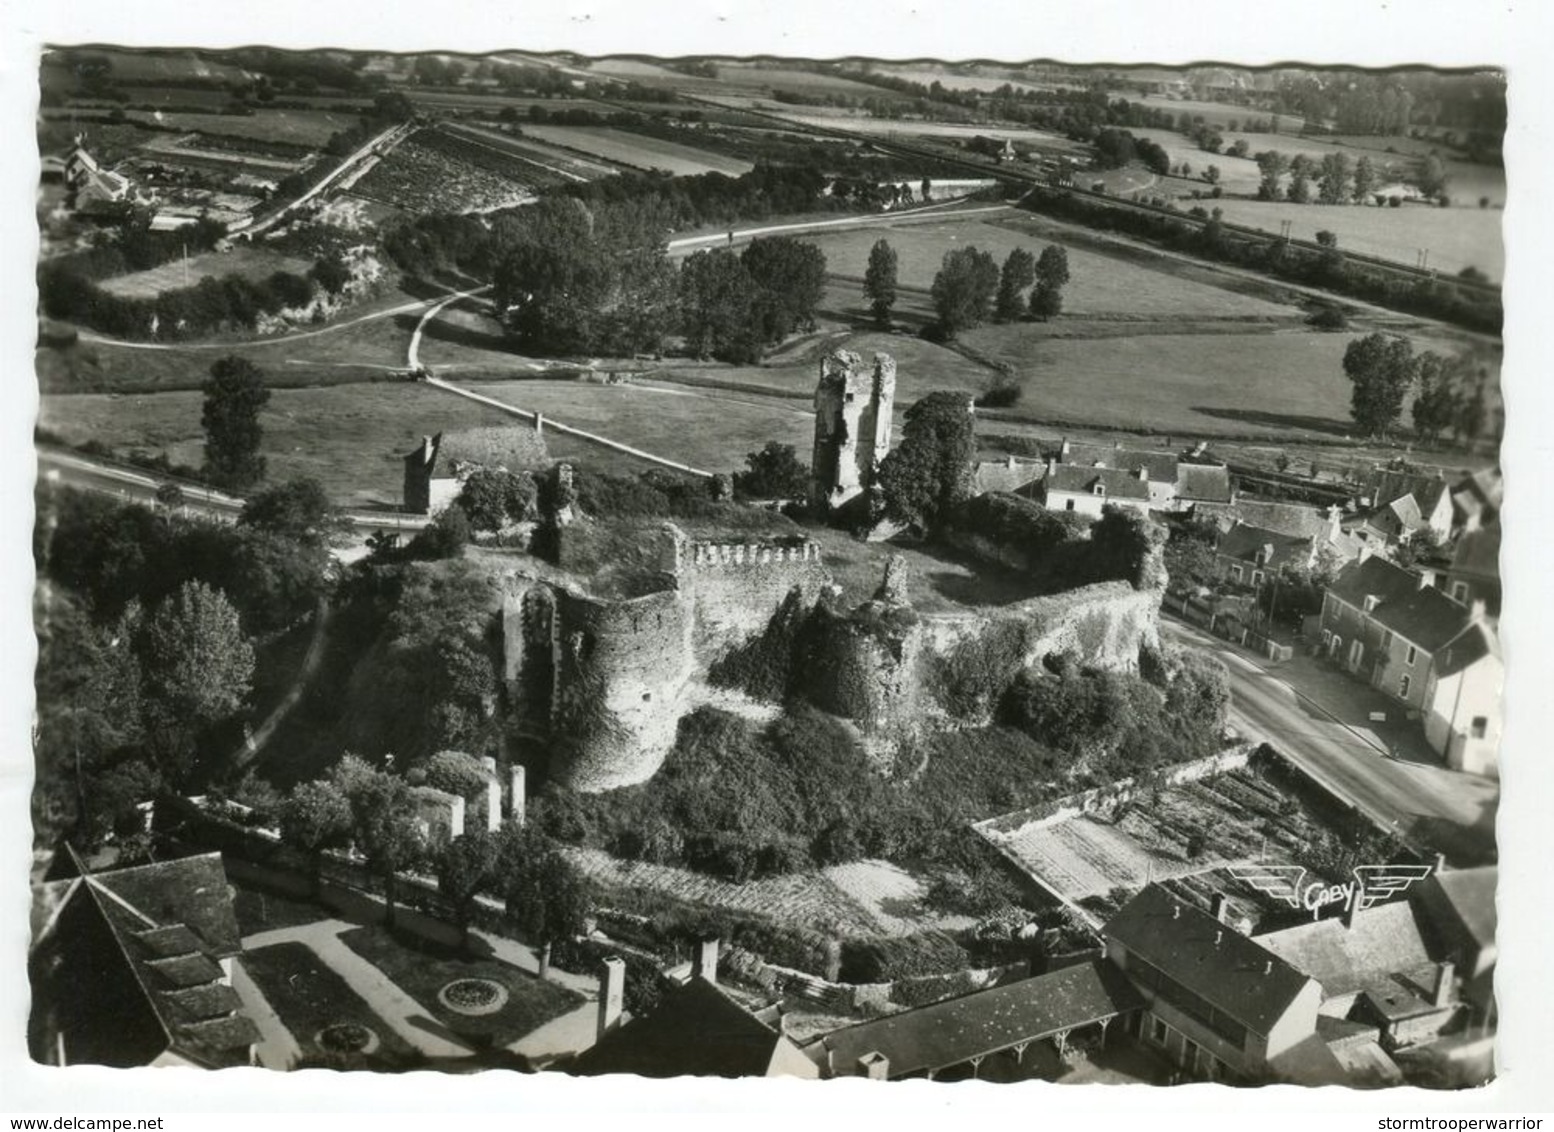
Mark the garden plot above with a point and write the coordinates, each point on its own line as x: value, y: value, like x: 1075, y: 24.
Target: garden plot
x: 638, y: 151
x: 1236, y: 817
x: 422, y: 176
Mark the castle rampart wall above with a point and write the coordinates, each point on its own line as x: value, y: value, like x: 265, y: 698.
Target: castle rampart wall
x: 736, y: 588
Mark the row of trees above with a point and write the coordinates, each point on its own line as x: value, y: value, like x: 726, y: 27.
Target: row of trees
x: 373, y: 810
x: 1333, y: 180
x: 970, y: 288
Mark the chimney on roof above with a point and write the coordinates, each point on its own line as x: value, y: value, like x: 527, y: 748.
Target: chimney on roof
x: 1217, y: 906
x: 875, y: 1066
x: 612, y: 994
x: 1444, y: 978
x: 705, y: 963
x: 1477, y: 610
x: 1440, y: 863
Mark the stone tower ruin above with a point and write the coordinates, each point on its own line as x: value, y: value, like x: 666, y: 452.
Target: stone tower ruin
x: 853, y: 410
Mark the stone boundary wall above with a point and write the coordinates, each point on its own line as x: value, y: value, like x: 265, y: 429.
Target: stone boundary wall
x: 1100, y: 797
x: 704, y: 555
x: 861, y: 996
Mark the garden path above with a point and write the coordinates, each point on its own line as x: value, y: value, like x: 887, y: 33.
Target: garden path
x: 406, y: 1017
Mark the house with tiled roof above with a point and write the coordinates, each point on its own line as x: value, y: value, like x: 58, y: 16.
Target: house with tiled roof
x: 1088, y: 490
x: 1477, y: 498
x: 1218, y: 1003
x: 1247, y: 555
x: 1438, y: 658
x: 1429, y: 503
x: 133, y: 966
x: 958, y: 1036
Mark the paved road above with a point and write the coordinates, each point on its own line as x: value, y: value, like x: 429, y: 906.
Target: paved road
x: 1326, y: 733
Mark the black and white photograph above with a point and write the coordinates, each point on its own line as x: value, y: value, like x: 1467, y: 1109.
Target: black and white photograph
x: 672, y: 564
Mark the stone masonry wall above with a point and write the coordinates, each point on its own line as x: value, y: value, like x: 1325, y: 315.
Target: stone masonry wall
x: 736, y: 588
x: 621, y: 670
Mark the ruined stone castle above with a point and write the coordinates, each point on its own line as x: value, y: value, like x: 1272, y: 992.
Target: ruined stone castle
x: 605, y: 680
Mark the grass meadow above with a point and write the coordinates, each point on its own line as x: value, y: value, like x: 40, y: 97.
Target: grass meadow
x: 637, y: 150
x: 249, y: 262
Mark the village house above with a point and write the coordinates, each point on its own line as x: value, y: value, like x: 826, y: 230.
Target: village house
x: 1407, y: 503
x: 1088, y: 490
x: 1477, y: 498
x: 134, y: 966
x: 1397, y: 631
x: 1218, y: 1003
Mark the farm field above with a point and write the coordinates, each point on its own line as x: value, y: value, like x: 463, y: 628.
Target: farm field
x: 799, y: 81
x: 169, y: 66
x: 638, y: 151
x: 311, y: 128
x: 1236, y: 174
x: 952, y: 80
x: 1283, y: 382
x: 249, y: 262
x: 633, y: 69
x: 1219, y: 114
x: 857, y: 123
x: 1456, y: 238
x: 429, y: 175
x: 1466, y: 181
x: 349, y: 437
x: 567, y: 166
x: 1098, y: 285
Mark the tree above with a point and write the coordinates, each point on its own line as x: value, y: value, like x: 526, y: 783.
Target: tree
x: 1429, y: 174
x: 717, y: 304
x: 331, y: 273
x: 1019, y: 272
x: 1051, y: 277
x: 963, y: 290
x: 316, y: 816
x: 1046, y: 302
x: 465, y: 866
x: 546, y: 898
x: 879, y: 280
x: 775, y: 472
x: 1437, y: 402
x: 494, y: 497
x: 1272, y: 165
x: 235, y: 395
x: 445, y: 537
x: 298, y: 509
x: 383, y: 821
x: 792, y: 277
x: 1211, y: 174
x: 1364, y: 180
x: 1300, y: 179
x: 930, y: 470
x: 170, y: 496
x: 1333, y: 187
x: 1382, y: 367
x: 198, y: 668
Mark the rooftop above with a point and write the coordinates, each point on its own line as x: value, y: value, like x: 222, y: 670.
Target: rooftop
x: 1115, y: 483
x: 1205, y: 483
x: 1247, y: 543
x: 1193, y: 949
x: 1374, y: 577
x: 1426, y: 617
x: 696, y: 1030
x: 974, y: 1025
x: 1162, y: 466
x: 1384, y: 939
x: 1478, y: 553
